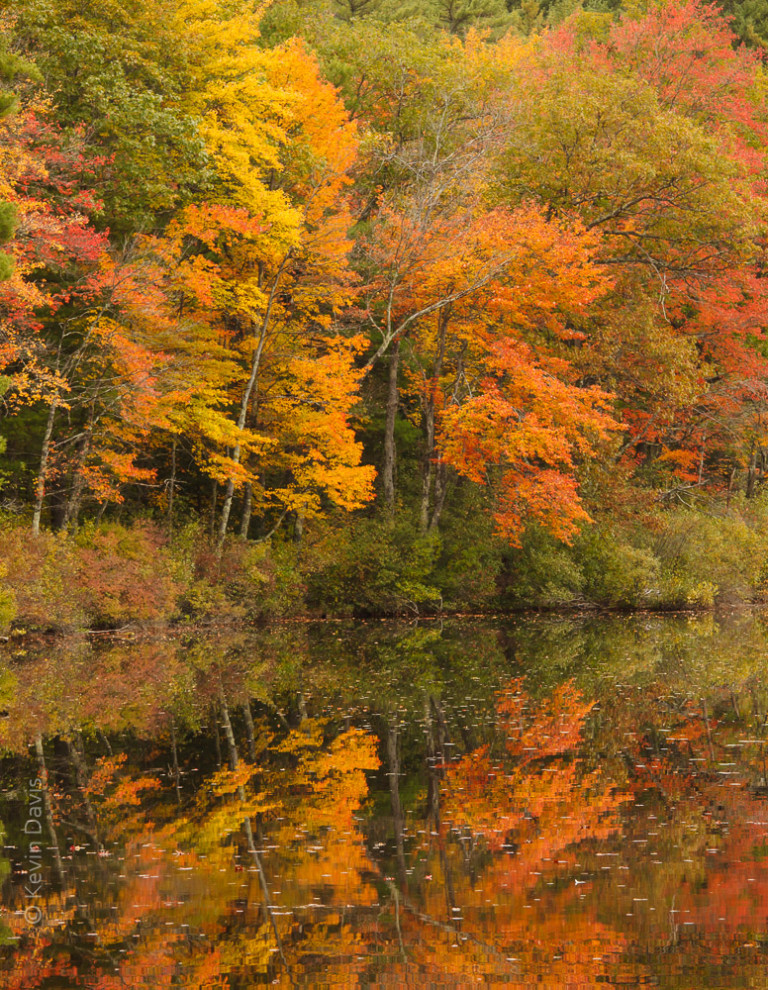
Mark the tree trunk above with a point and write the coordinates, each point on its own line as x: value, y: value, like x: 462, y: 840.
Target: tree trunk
x: 433, y: 773
x: 47, y: 807
x: 754, y: 472
x: 228, y: 732
x: 426, y: 521
x: 393, y: 762
x: 42, y: 473
x: 751, y: 474
x: 298, y: 528
x: 245, y: 521
x: 214, y: 499
x: 248, y: 829
x: 72, y: 511
x: 172, y: 486
x: 428, y: 468
x: 216, y: 738
x: 250, y: 732
x: 441, y: 488
x: 175, y: 756
x: 82, y: 777
x: 390, y: 453
x: 226, y: 509
x: 246, y: 401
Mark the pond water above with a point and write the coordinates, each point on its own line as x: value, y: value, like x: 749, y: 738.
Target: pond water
x: 541, y: 802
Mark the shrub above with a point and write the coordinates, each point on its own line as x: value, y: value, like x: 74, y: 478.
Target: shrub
x: 107, y: 575
x: 42, y: 575
x: 617, y: 573
x: 7, y: 601
x: 268, y: 582
x: 203, y: 577
x: 125, y: 574
x: 468, y: 569
x: 254, y: 580
x: 542, y: 573
x: 374, y: 567
x: 712, y: 557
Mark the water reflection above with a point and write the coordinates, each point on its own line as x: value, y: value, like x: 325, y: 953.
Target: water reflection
x: 550, y: 802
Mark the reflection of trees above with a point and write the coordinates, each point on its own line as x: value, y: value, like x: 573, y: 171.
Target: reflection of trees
x: 313, y: 893
x: 525, y: 797
x: 489, y: 842
x: 195, y: 895
x: 531, y: 785
x: 697, y: 765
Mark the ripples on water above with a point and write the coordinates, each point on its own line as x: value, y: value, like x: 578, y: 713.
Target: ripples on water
x: 543, y: 803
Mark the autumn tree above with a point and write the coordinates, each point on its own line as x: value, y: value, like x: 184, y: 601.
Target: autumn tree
x: 279, y: 282
x: 679, y: 222
x: 115, y: 69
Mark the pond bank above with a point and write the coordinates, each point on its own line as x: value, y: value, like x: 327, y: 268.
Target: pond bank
x: 114, y: 577
x: 23, y: 638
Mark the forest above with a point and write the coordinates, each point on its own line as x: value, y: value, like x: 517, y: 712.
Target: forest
x: 369, y: 308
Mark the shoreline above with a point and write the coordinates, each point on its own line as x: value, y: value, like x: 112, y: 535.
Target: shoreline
x: 135, y: 632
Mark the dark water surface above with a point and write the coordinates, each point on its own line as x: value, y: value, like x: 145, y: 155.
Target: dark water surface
x: 546, y: 802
